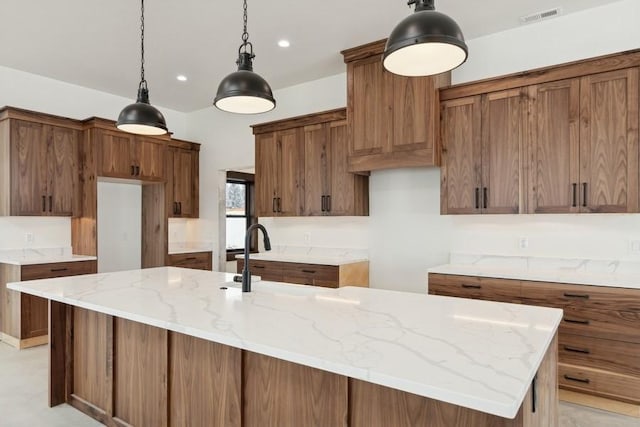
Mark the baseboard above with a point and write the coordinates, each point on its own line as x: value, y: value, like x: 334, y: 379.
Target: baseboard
x: 25, y: 343
x: 602, y: 403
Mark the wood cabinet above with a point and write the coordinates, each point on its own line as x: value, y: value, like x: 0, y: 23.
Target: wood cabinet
x: 183, y: 184
x: 328, y: 276
x: 39, y: 159
x: 392, y: 119
x: 23, y: 317
x: 302, y: 168
x: 127, y: 156
x: 196, y: 260
x: 482, y: 144
x: 558, y: 140
x: 599, y: 336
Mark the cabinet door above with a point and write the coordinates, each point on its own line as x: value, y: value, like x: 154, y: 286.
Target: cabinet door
x: 609, y: 142
x: 115, y: 154
x: 291, y: 154
x: 267, y: 174
x: 461, y: 143
x: 183, y: 182
x: 554, y: 147
x: 342, y: 184
x: 370, y: 125
x: 28, y: 169
x: 413, y: 115
x: 316, y: 166
x: 34, y: 315
x: 63, y: 171
x: 503, y: 128
x: 149, y: 157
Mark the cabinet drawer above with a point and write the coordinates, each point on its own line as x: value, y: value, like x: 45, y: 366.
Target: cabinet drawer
x: 198, y: 260
x: 614, y: 325
x: 615, y: 356
x: 310, y: 274
x: 267, y: 270
x: 603, y: 383
x: 59, y: 269
x: 563, y: 295
x: 502, y: 290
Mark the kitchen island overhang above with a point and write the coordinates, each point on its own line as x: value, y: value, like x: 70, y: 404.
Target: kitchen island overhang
x: 477, y: 355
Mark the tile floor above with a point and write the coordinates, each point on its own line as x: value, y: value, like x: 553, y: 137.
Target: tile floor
x: 23, y: 398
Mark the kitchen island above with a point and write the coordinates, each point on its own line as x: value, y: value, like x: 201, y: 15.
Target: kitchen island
x: 170, y: 347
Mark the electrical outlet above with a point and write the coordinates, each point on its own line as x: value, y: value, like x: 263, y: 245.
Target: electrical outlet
x: 28, y: 238
x: 307, y: 238
x: 523, y: 242
x: 634, y: 246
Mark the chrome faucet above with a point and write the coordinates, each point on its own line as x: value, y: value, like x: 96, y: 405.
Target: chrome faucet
x: 246, y: 276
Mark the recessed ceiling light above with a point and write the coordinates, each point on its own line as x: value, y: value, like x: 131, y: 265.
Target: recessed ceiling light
x: 284, y: 43
x: 182, y: 78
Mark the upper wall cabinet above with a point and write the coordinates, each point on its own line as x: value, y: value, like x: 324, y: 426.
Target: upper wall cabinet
x: 392, y: 120
x: 183, y: 184
x: 574, y: 129
x: 301, y: 168
x: 38, y: 164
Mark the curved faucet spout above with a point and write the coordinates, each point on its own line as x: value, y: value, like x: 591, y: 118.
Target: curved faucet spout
x: 246, y: 276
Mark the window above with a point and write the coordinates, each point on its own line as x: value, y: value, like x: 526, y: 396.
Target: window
x: 239, y: 211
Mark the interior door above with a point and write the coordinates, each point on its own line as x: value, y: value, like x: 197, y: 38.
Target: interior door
x: 63, y: 171
x: 267, y: 174
x: 461, y: 128
x: 28, y: 169
x: 291, y: 158
x: 316, y: 166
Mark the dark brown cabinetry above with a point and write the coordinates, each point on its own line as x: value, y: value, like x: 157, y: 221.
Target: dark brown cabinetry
x: 39, y: 159
x: 182, y: 182
x: 196, y: 260
x: 328, y: 276
x: 482, y: 143
x: 302, y: 168
x: 392, y: 119
x: 24, y: 318
x: 599, y: 338
x: 127, y: 156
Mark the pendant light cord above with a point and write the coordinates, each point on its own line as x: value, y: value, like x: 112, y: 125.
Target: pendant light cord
x: 245, y: 34
x: 143, y: 81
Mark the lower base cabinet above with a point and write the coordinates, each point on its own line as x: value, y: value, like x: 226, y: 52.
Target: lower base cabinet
x: 124, y: 373
x: 599, y: 337
x: 198, y: 260
x: 328, y: 276
x: 24, y: 318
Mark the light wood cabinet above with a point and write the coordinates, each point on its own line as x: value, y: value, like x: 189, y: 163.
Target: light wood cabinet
x: 328, y: 276
x: 24, y: 318
x: 392, y: 119
x: 302, y: 168
x: 584, y: 148
x: 128, y: 156
x: 599, y: 335
x: 482, y: 138
x: 40, y: 165
x: 183, y: 184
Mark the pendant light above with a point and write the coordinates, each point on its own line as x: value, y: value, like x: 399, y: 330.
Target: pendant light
x: 425, y: 43
x: 142, y: 118
x: 244, y: 92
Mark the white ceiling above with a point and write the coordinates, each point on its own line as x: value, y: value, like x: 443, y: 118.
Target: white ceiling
x: 95, y: 43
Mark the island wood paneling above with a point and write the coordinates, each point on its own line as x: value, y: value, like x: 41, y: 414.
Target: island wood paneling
x: 140, y: 374
x: 60, y: 353
x: 284, y: 394
x: 205, y: 383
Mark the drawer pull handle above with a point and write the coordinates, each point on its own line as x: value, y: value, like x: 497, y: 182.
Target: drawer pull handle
x: 579, y: 380
x: 309, y: 271
x: 580, y: 322
x: 58, y: 270
x: 471, y: 286
x: 570, y: 295
x: 576, y: 350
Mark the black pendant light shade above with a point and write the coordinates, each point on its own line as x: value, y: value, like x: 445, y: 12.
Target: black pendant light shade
x: 244, y: 92
x: 142, y: 118
x: 425, y: 43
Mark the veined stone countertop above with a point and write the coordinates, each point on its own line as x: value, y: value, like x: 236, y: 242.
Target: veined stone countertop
x: 41, y: 256
x: 476, y: 354
x: 610, y: 273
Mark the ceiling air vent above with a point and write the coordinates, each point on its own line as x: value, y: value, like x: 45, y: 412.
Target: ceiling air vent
x: 539, y: 16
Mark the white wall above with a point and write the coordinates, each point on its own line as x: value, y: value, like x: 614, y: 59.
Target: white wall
x: 405, y: 232
x: 119, y: 226
x: 34, y: 92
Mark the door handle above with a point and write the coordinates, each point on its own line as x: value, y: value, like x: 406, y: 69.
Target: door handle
x: 484, y: 197
x: 137, y: 170
x: 179, y: 208
x: 44, y: 203
x: 584, y: 194
x: 328, y: 203
x: 175, y: 208
x: 580, y: 380
x: 323, y: 203
x: 273, y: 205
x: 477, y: 198
x: 133, y: 170
x: 576, y: 350
x: 574, y: 203
x: 279, y: 204
x: 50, y: 203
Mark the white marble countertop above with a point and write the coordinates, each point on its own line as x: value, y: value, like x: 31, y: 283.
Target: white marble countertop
x: 306, y: 259
x: 541, y: 274
x: 477, y: 354
x: 45, y: 259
